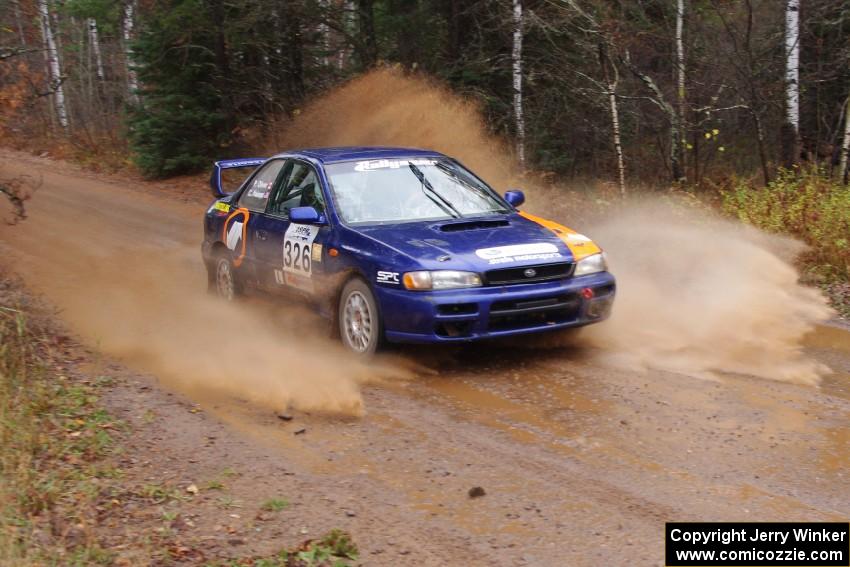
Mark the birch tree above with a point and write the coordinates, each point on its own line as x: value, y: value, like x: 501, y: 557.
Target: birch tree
x: 608, y: 87
x: 791, y: 128
x: 845, y: 144
x: 678, y: 125
x: 127, y: 29
x: 54, y: 67
x: 516, y: 60
x: 19, y: 23
x: 324, y: 34
x: 94, y: 41
x: 612, y: 78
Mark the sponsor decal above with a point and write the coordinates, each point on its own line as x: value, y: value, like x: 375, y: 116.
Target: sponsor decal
x: 388, y: 277
x: 580, y: 245
x: 519, y: 253
x: 260, y: 189
x: 230, y: 164
x: 220, y: 207
x: 298, y: 255
x: 233, y: 234
x: 391, y: 163
x: 576, y: 239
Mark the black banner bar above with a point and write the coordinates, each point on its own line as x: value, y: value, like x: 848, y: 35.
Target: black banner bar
x: 757, y: 544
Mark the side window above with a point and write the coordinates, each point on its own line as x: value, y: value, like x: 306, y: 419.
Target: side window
x: 300, y: 189
x: 255, y: 196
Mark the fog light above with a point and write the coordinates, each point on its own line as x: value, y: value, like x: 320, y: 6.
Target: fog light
x: 600, y: 308
x: 587, y: 293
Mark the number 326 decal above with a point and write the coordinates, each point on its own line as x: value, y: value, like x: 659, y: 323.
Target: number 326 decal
x: 297, y: 254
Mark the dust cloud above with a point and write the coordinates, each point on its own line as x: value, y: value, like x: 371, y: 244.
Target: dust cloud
x: 125, y: 272
x: 697, y: 295
x: 387, y: 108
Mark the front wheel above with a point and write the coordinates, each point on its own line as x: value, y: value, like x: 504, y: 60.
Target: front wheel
x: 359, y: 319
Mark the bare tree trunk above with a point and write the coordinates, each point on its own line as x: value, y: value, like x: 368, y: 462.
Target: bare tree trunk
x: 348, y: 21
x: 611, y: 87
x: 516, y: 58
x: 677, y: 131
x: 324, y: 34
x: 791, y: 128
x: 661, y: 102
x: 53, y: 65
x: 845, y: 145
x: 762, y: 151
x: 129, y: 24
x: 95, y: 45
x: 368, y: 40
x: 19, y: 23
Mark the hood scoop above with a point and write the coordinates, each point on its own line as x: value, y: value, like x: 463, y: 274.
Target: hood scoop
x: 473, y: 225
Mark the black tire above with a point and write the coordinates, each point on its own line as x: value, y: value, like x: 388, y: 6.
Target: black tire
x: 224, y: 280
x: 361, y: 328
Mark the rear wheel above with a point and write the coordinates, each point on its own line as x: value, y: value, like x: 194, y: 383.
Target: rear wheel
x: 226, y: 284
x: 360, y: 326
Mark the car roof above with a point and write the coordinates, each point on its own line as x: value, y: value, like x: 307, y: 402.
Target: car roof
x: 353, y: 153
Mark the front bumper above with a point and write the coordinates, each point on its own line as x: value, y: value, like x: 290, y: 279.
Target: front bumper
x: 497, y: 311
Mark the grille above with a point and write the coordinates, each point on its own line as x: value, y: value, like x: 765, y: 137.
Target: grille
x: 507, y: 315
x: 542, y: 273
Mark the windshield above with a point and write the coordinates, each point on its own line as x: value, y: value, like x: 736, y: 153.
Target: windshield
x: 400, y: 190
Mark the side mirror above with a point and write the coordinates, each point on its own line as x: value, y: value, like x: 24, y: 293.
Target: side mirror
x: 216, y: 184
x: 515, y: 197
x: 305, y: 215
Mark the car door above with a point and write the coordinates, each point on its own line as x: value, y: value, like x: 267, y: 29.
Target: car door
x: 241, y: 226
x: 290, y: 254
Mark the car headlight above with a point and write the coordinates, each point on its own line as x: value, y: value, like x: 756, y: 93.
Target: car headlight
x: 591, y: 265
x: 440, y: 279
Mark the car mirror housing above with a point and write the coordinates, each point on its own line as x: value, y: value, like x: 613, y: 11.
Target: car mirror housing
x: 515, y: 197
x: 305, y: 215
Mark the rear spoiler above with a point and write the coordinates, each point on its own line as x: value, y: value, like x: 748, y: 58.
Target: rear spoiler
x: 215, y: 178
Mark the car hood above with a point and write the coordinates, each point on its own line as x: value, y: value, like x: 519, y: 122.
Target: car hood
x: 476, y: 244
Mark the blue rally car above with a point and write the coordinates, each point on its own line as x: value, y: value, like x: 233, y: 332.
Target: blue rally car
x: 400, y: 245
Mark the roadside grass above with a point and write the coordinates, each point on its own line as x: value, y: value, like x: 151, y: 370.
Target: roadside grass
x: 274, y: 504
x: 58, y: 488
x: 334, y: 549
x: 53, y: 440
x: 808, y: 205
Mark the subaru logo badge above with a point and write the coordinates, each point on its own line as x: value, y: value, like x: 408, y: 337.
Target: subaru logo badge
x: 530, y: 273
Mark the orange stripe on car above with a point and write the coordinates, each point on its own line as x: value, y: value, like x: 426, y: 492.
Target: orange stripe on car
x: 579, y: 245
x: 238, y: 260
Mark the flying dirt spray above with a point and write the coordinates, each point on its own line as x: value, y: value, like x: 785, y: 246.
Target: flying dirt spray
x: 696, y: 294
x: 126, y: 274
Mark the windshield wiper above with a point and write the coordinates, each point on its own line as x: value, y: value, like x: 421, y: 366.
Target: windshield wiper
x: 443, y: 203
x: 483, y: 193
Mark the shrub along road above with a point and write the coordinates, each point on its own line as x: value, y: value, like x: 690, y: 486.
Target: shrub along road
x: 480, y: 456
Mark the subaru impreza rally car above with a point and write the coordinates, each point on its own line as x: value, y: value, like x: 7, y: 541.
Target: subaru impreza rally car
x: 399, y: 245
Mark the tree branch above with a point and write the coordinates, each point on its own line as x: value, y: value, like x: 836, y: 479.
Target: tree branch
x: 9, y: 52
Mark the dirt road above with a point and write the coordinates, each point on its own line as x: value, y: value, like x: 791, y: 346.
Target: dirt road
x: 582, y: 463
